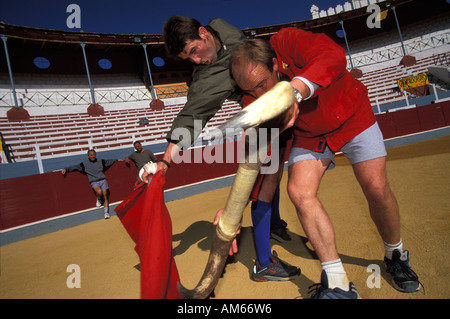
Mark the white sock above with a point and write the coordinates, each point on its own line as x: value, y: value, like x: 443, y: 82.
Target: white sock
x: 389, y: 249
x: 337, y: 277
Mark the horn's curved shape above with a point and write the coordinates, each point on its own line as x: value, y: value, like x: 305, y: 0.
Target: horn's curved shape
x: 225, y: 231
x: 270, y: 105
x: 267, y: 107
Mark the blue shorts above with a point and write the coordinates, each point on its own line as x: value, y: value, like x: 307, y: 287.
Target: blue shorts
x: 366, y: 146
x: 103, y: 184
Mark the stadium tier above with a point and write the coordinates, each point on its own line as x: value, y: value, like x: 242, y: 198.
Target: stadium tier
x: 74, y: 133
x: 383, y: 83
x: 68, y: 134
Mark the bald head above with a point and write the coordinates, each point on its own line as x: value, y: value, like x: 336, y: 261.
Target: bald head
x: 254, y: 67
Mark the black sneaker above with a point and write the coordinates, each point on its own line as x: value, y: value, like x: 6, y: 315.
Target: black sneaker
x: 278, y: 270
x: 280, y: 235
x: 321, y: 290
x: 404, y: 279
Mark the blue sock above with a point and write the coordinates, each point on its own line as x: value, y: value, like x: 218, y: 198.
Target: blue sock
x: 275, y: 219
x: 261, y: 212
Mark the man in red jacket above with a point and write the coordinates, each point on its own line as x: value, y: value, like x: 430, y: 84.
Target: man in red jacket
x: 333, y: 114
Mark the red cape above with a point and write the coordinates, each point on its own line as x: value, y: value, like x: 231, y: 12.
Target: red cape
x: 145, y: 217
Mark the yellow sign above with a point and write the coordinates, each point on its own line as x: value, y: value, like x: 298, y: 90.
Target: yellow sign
x: 413, y: 81
x: 382, y: 15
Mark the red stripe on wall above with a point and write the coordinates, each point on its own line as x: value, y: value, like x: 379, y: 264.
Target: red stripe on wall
x: 36, y: 197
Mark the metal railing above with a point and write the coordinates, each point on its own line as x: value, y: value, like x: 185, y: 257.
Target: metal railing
x: 61, y: 97
x: 169, y: 91
x: 393, y: 52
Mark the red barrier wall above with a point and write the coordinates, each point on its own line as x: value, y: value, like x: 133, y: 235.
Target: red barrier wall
x: 414, y: 120
x: 387, y: 125
x: 406, y: 121
x: 36, y: 197
x: 430, y: 117
x: 446, y: 110
x: 32, y: 198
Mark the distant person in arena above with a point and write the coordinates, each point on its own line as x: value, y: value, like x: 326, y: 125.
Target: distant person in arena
x: 95, y: 170
x: 334, y: 114
x: 140, y: 156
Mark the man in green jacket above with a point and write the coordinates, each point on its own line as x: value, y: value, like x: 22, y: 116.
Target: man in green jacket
x: 208, y: 47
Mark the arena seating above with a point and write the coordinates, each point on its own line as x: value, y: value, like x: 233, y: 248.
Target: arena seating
x: 68, y: 134
x: 382, y: 83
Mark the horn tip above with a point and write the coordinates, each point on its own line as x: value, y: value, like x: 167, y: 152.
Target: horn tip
x: 193, y: 293
x: 185, y: 293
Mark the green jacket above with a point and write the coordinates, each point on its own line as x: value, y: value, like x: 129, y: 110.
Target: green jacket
x: 211, y: 85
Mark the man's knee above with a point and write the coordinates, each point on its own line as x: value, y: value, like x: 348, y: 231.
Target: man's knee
x: 300, y: 194
x: 377, y: 190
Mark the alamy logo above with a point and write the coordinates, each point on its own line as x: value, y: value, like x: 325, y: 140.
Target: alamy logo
x: 253, y: 140
x: 374, y: 20
x: 374, y: 279
x: 74, y: 19
x: 74, y: 279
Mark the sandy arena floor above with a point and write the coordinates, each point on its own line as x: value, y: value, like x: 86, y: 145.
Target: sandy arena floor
x: 419, y: 175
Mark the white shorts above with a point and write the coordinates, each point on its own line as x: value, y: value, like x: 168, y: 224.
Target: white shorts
x: 366, y: 146
x: 103, y: 184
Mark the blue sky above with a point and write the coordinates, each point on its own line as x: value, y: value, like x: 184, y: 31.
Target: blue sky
x: 140, y: 16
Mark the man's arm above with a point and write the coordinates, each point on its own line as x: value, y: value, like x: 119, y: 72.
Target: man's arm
x: 204, y: 100
x: 206, y: 96
x: 73, y: 168
x: 152, y: 156
x: 320, y: 58
x: 110, y: 162
x: 130, y: 158
x: 171, y: 149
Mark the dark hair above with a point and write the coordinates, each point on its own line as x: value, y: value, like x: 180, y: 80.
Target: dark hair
x: 253, y: 51
x: 91, y: 150
x: 177, y: 31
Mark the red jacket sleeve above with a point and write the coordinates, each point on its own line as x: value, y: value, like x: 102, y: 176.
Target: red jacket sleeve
x: 314, y: 56
x: 247, y: 100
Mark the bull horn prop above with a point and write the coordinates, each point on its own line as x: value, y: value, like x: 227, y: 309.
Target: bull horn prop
x: 270, y: 105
